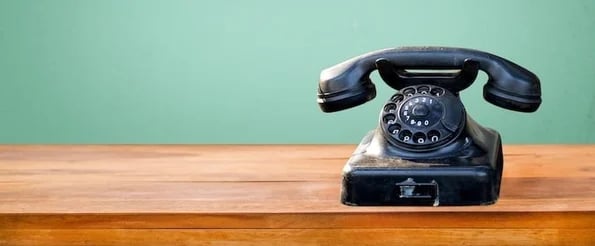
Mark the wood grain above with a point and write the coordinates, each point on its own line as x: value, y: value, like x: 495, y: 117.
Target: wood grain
x: 70, y: 194
x: 443, y: 237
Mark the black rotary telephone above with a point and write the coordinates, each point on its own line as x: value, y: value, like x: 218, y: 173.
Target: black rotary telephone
x: 426, y: 149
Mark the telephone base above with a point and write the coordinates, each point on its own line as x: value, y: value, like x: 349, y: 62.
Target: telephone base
x: 419, y: 187
x: 373, y: 179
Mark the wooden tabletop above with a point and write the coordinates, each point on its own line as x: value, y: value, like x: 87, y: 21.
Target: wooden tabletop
x: 278, y: 194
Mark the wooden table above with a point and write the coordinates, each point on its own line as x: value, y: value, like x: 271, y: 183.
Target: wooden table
x: 279, y: 195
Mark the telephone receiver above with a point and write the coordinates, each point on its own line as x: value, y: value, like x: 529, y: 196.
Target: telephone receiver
x: 348, y: 84
x: 426, y: 150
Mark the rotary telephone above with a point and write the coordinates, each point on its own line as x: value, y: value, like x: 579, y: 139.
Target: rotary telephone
x: 426, y: 150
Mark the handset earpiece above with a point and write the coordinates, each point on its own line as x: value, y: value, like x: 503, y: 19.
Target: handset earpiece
x: 346, y: 96
x: 509, y: 85
x: 346, y: 85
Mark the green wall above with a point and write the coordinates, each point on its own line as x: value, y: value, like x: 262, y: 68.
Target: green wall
x: 115, y: 71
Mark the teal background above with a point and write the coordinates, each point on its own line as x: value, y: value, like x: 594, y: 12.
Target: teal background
x: 115, y: 71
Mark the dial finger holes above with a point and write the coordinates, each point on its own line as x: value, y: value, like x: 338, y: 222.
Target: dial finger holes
x: 390, y: 107
x: 433, y: 136
x: 397, y: 98
x: 419, y: 138
x: 423, y: 90
x: 409, y: 92
x: 389, y: 118
x: 437, y: 92
x: 394, y: 129
x: 405, y: 135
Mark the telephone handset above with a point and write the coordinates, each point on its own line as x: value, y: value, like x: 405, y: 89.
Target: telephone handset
x: 426, y: 149
x: 348, y: 84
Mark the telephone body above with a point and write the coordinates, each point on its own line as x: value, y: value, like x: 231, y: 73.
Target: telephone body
x: 426, y: 150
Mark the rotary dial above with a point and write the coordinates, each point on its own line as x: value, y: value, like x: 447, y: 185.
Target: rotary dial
x: 422, y: 117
